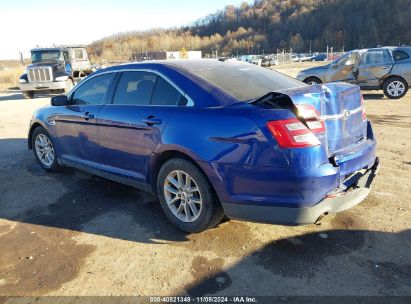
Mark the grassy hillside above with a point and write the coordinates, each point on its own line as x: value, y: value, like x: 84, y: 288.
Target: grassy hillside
x: 271, y: 24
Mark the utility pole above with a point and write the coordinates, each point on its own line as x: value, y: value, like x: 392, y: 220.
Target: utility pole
x: 327, y: 52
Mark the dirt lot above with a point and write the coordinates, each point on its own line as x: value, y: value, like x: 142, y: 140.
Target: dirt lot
x: 75, y: 234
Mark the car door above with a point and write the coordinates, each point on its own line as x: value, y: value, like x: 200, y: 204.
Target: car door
x: 75, y: 124
x: 341, y: 69
x: 374, y: 65
x: 130, y: 127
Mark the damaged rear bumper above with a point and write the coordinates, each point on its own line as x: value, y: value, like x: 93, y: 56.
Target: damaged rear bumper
x: 335, y: 202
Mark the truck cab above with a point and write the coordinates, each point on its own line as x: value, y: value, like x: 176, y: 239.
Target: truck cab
x: 54, y: 70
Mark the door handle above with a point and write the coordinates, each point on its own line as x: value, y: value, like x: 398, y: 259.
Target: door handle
x: 151, y: 120
x: 88, y: 116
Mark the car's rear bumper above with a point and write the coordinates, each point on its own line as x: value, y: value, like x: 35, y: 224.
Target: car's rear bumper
x: 333, y: 203
x: 46, y: 86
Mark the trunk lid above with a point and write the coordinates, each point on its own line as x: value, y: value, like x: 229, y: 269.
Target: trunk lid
x: 340, y: 107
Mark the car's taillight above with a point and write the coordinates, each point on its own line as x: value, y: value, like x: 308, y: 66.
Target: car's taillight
x: 292, y: 133
x: 311, y: 117
x: 364, y: 115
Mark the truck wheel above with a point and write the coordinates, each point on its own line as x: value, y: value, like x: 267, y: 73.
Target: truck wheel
x: 28, y: 94
x: 69, y: 86
x: 187, y: 197
x: 312, y: 80
x: 395, y: 87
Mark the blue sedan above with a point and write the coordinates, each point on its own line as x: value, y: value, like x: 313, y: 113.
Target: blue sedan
x: 214, y: 138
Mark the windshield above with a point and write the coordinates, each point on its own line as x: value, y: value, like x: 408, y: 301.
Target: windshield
x: 42, y: 56
x: 246, y: 82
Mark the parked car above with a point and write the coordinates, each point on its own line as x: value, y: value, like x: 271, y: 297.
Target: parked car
x: 320, y: 57
x: 274, y: 61
x: 214, y: 138
x: 387, y: 69
x: 306, y: 57
x: 267, y: 61
x: 258, y: 60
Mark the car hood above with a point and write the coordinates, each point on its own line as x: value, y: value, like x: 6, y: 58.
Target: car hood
x: 315, y: 69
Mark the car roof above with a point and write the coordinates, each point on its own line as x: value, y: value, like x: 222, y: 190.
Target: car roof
x: 406, y: 48
x: 192, y: 64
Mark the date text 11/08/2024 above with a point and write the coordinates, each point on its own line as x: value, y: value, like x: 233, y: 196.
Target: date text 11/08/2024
x: 188, y: 299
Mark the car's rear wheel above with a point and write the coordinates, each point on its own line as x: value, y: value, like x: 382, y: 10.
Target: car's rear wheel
x: 186, y: 196
x: 28, y: 94
x: 44, y: 150
x: 312, y: 80
x: 395, y: 87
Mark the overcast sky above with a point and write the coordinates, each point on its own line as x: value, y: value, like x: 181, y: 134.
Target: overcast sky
x: 25, y: 24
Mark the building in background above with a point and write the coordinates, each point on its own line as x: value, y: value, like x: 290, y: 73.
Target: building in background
x: 183, y: 54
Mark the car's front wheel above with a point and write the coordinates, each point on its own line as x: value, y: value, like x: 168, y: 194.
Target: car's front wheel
x: 395, y: 88
x: 186, y: 196
x: 44, y: 150
x: 28, y: 94
x: 312, y: 80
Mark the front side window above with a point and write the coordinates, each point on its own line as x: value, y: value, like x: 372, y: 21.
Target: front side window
x: 93, y: 91
x: 350, y: 58
x: 66, y: 57
x: 135, y: 88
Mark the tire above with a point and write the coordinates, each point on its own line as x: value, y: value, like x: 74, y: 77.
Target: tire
x: 28, y: 94
x: 69, y: 86
x: 312, y: 80
x: 43, y: 139
x: 395, y: 88
x: 210, y: 211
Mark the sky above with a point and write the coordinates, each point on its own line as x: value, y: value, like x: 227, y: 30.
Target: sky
x: 25, y: 24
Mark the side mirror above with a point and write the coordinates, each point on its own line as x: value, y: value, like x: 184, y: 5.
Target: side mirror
x: 60, y: 100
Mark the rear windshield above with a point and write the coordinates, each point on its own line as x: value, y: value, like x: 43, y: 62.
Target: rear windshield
x: 246, y: 81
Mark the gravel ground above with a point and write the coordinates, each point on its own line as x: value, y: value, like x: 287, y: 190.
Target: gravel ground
x: 71, y: 233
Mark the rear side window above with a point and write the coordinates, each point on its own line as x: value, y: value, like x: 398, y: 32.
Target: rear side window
x: 376, y: 57
x: 400, y: 55
x: 135, y: 88
x: 79, y: 54
x: 93, y: 91
x: 166, y: 94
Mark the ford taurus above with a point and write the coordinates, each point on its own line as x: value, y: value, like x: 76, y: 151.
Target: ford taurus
x: 214, y: 138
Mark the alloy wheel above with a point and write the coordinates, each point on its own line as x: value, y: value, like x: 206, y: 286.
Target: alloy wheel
x: 44, y: 150
x: 183, y: 196
x: 396, y: 88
